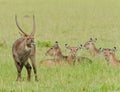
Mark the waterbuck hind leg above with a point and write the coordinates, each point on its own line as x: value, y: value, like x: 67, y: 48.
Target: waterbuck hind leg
x: 28, y: 67
x: 19, y: 69
x: 32, y: 58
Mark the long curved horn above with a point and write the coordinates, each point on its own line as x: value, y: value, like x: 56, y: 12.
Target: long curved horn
x: 19, y: 26
x: 32, y: 34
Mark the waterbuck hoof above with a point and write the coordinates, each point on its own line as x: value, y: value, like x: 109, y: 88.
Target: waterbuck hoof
x: 18, y: 80
x: 28, y: 79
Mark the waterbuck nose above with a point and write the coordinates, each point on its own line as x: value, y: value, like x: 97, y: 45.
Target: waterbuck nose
x: 107, y: 59
x: 74, y: 54
x: 33, y: 43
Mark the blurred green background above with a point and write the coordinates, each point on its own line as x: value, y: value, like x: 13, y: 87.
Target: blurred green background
x: 66, y: 21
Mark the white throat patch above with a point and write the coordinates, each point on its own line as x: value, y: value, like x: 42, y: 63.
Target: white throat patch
x: 27, y: 48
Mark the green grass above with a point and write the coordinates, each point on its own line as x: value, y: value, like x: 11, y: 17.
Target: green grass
x: 66, y: 21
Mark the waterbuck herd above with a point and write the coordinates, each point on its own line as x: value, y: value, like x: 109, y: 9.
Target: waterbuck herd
x: 24, y: 48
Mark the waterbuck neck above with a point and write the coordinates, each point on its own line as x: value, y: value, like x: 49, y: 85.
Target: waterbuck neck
x: 113, y: 60
x: 59, y: 56
x: 71, y: 57
x: 23, y: 48
x: 93, y: 50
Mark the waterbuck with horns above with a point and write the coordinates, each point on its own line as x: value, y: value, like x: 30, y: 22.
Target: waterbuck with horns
x: 22, y: 49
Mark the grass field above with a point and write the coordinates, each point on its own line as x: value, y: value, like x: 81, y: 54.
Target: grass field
x: 66, y: 21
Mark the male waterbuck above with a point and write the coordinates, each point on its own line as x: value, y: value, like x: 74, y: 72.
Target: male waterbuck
x: 22, y: 49
x: 109, y: 55
x: 90, y: 46
x: 73, y: 58
x: 54, y: 51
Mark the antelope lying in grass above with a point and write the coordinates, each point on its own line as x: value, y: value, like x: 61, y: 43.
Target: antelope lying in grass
x: 48, y: 62
x: 90, y: 46
x: 54, y: 51
x: 109, y: 55
x: 73, y: 58
x: 22, y: 49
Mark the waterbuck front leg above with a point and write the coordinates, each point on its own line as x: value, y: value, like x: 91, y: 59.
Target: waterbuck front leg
x: 28, y: 67
x: 18, y: 65
x: 32, y: 58
x: 19, y: 69
x: 16, y: 58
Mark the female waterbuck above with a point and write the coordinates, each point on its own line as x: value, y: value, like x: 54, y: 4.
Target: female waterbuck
x: 90, y: 46
x: 109, y: 55
x: 54, y: 51
x: 22, y: 49
x: 73, y: 58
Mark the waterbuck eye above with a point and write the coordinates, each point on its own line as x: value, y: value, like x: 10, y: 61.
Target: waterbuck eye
x: 88, y: 43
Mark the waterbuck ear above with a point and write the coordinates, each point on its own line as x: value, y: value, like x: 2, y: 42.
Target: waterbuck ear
x: 68, y: 47
x: 56, y: 43
x: 101, y: 49
x: 80, y: 46
x: 91, y: 39
x: 114, y: 49
x: 95, y: 39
